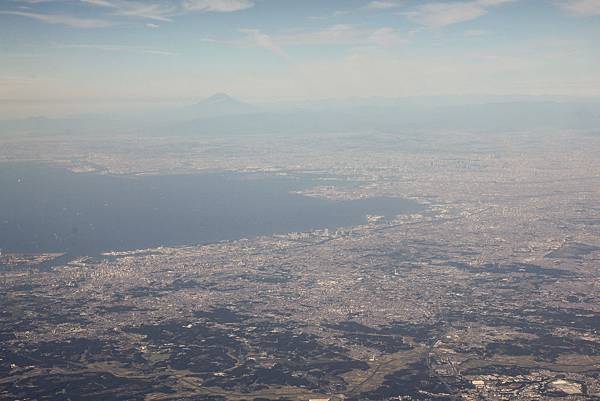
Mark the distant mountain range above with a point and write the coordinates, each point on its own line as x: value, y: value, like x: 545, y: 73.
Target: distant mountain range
x: 222, y: 114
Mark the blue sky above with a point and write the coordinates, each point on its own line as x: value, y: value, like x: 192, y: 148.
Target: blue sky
x: 72, y: 50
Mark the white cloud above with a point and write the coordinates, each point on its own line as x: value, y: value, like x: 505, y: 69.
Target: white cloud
x: 386, y: 37
x: 101, y: 3
x: 336, y: 34
x: 61, y: 19
x: 494, y: 2
x: 343, y: 34
x: 114, y: 48
x: 475, y: 32
x: 382, y: 5
x: 36, y: 1
x: 164, y: 11
x: 219, y: 6
x: 154, y: 10
x: 441, y: 14
x: 147, y: 10
x: 158, y: 52
x: 265, y: 41
x: 583, y: 8
x: 152, y: 26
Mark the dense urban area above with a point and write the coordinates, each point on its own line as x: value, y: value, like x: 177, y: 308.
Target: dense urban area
x: 490, y: 292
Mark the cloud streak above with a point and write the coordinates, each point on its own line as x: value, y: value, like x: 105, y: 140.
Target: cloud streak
x: 153, y: 11
x: 115, y: 48
x: 218, y: 6
x: 343, y: 34
x: 340, y: 35
x: 442, y: 14
x: 163, y: 11
x: 266, y: 42
x: 382, y: 5
x: 61, y: 19
x: 582, y: 8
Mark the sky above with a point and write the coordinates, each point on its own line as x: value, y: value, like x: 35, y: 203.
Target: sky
x: 123, y: 50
